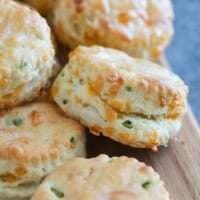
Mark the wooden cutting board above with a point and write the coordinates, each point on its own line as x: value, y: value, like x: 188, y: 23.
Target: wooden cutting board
x: 178, y: 164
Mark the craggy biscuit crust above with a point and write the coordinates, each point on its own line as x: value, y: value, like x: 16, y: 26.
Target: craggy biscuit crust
x: 26, y: 53
x: 140, y: 28
x: 132, y: 101
x: 103, y: 178
x: 34, y: 139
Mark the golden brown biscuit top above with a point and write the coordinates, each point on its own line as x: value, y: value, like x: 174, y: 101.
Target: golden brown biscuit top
x: 26, y: 53
x: 140, y: 28
x: 22, y: 30
x: 102, y: 178
x: 148, y: 12
x: 129, y: 85
x: 36, y: 132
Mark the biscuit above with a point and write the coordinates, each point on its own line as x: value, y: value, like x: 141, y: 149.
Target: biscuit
x: 132, y: 101
x: 26, y: 53
x: 139, y: 28
x: 45, y: 7
x: 34, y: 139
x: 116, y: 178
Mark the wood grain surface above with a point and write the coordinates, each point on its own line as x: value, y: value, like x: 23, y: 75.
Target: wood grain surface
x: 178, y: 164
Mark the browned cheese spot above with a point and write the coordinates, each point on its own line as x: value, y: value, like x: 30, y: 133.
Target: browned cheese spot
x: 3, y: 82
x: 21, y: 171
x: 35, y: 118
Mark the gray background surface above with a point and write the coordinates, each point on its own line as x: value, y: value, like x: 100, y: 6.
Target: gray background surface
x: 184, y: 52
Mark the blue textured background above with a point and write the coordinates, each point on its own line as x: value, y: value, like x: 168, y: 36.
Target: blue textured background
x: 184, y: 52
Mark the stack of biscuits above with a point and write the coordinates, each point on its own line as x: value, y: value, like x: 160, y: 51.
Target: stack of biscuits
x: 110, y: 85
